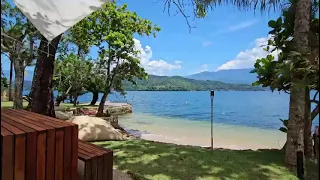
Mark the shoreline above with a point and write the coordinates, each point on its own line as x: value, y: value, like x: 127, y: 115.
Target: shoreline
x: 183, y: 132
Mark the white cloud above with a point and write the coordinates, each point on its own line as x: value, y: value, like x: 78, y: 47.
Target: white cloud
x: 247, y: 58
x: 241, y: 25
x: 236, y: 27
x: 155, y: 67
x: 206, y: 43
x: 204, y: 67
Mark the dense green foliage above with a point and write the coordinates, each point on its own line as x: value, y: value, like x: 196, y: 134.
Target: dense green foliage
x: 4, y: 80
x: 71, y: 75
x: 177, y: 83
x: 111, y: 29
x: 296, y: 71
x: 276, y: 73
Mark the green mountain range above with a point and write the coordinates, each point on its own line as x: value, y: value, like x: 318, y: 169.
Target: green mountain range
x: 178, y: 83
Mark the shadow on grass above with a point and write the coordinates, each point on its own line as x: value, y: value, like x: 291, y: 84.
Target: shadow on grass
x: 152, y: 160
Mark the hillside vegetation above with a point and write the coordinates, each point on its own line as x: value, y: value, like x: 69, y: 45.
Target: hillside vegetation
x: 177, y: 83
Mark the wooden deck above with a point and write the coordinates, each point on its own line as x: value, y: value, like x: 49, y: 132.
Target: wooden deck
x: 37, y: 147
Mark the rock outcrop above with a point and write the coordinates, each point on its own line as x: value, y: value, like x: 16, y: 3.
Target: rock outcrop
x: 96, y: 129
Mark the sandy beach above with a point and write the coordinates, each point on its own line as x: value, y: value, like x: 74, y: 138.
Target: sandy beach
x: 197, y: 133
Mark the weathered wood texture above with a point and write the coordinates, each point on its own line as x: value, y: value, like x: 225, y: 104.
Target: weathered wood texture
x: 37, y: 147
x: 98, y: 162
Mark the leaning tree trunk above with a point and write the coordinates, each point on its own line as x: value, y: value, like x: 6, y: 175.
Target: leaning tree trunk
x: 18, y: 83
x: 295, y: 134
x: 308, y: 146
x: 75, y: 99
x: 10, y: 81
x: 95, y: 97
x: 101, y: 104
x: 41, y: 91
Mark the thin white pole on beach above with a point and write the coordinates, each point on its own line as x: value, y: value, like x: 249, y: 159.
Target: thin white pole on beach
x: 212, y: 95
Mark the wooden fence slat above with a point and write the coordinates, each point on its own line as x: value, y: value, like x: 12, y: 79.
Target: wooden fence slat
x: 74, y: 153
x: 7, y: 154
x: 107, y: 165
x: 30, y: 146
x: 87, y: 169
x: 20, y: 157
x: 19, y: 151
x: 59, y: 155
x: 100, y: 169
x: 41, y: 156
x: 67, y: 153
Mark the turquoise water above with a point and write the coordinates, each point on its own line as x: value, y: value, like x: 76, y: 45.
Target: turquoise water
x: 242, y: 108
x: 252, y: 109
x: 242, y: 120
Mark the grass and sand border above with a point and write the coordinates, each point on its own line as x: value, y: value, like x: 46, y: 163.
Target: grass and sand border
x: 144, y: 159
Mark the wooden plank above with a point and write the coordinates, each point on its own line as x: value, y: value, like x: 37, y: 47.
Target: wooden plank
x: 100, y: 168
x: 51, y: 140
x: 7, y: 154
x: 12, y: 129
x: 20, y: 157
x: 83, y: 156
x: 95, y: 147
x: 50, y: 143
x: 19, y: 150
x: 46, y: 117
x: 41, y: 156
x: 94, y: 168
x: 87, y: 170
x: 22, y: 120
x: 37, y: 119
x: 51, y: 136
x: 91, y: 148
x: 67, y: 153
x: 74, y: 153
x: 108, y: 165
x: 30, y: 146
x: 50, y: 155
x: 59, y: 155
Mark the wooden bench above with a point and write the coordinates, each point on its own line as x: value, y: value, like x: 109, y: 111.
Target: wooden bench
x: 37, y: 147
x: 96, y: 163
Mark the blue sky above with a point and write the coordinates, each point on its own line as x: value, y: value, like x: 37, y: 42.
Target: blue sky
x: 225, y: 39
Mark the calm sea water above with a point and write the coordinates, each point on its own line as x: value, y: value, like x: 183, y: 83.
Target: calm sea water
x: 251, y: 109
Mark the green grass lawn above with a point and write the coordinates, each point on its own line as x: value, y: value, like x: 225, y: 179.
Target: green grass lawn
x: 151, y: 160
x: 9, y: 104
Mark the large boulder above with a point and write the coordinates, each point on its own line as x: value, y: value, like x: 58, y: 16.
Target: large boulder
x: 63, y: 115
x: 96, y: 129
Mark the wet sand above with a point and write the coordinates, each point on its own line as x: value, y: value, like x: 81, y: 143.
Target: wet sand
x: 197, y: 133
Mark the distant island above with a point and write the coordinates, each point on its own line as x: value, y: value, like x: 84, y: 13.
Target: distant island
x: 178, y: 83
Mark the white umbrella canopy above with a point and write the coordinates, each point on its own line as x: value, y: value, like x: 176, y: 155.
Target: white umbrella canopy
x: 54, y: 17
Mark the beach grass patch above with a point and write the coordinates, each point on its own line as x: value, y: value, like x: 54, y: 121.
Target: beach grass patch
x: 153, y: 160
x: 9, y: 104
